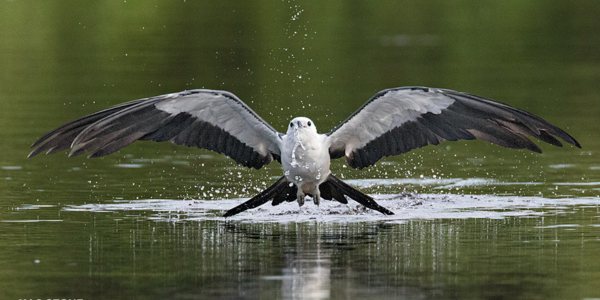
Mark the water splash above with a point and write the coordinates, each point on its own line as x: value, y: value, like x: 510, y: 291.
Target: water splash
x: 405, y: 206
x: 294, y: 163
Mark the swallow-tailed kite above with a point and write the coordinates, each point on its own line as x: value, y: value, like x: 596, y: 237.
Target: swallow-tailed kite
x: 392, y: 122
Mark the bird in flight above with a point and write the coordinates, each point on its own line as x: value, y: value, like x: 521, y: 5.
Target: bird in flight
x: 392, y: 122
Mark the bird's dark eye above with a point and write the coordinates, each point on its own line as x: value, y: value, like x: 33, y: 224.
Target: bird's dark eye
x: 291, y: 124
x: 309, y: 123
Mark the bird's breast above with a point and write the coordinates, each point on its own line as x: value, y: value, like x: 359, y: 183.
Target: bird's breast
x: 305, y: 159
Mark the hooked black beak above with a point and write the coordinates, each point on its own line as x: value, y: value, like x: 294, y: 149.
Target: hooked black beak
x: 300, y: 125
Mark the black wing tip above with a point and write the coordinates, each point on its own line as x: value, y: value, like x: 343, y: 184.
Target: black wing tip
x: 38, y: 146
x: 40, y: 149
x: 558, y: 133
x: 33, y: 153
x: 573, y: 142
x: 37, y: 142
x: 565, y: 136
x: 551, y: 130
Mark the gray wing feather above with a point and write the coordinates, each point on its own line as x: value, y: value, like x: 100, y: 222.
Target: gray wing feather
x: 214, y: 120
x: 395, y: 121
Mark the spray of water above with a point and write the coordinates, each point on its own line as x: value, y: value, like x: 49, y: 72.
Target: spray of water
x: 298, y: 143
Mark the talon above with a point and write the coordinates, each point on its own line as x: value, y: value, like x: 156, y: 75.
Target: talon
x: 300, y: 198
x: 317, y: 200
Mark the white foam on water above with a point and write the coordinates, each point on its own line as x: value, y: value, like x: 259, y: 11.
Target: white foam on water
x: 129, y: 166
x: 559, y: 226
x: 561, y: 166
x: 367, y: 183
x: 11, y: 168
x: 469, y: 182
x: 29, y: 221
x: 437, y: 183
x: 405, y: 207
x: 577, y: 183
x: 34, y: 206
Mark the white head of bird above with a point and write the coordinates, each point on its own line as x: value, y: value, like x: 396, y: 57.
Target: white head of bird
x: 301, y: 125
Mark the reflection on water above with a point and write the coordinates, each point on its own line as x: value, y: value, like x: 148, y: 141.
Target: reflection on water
x: 309, y: 278
x: 474, y: 258
x: 307, y: 274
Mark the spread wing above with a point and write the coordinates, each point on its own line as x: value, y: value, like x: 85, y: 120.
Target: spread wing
x: 395, y: 121
x: 214, y: 120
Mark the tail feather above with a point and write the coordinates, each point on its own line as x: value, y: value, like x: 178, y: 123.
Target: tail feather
x: 286, y: 194
x: 329, y: 192
x: 332, y: 189
x: 356, y: 195
x: 260, y: 199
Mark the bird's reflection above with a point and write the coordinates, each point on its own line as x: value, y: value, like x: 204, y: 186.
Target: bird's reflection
x: 307, y: 252
x: 307, y: 275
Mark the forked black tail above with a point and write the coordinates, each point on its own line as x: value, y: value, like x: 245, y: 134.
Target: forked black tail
x: 270, y: 193
x: 339, y: 186
x: 332, y: 189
